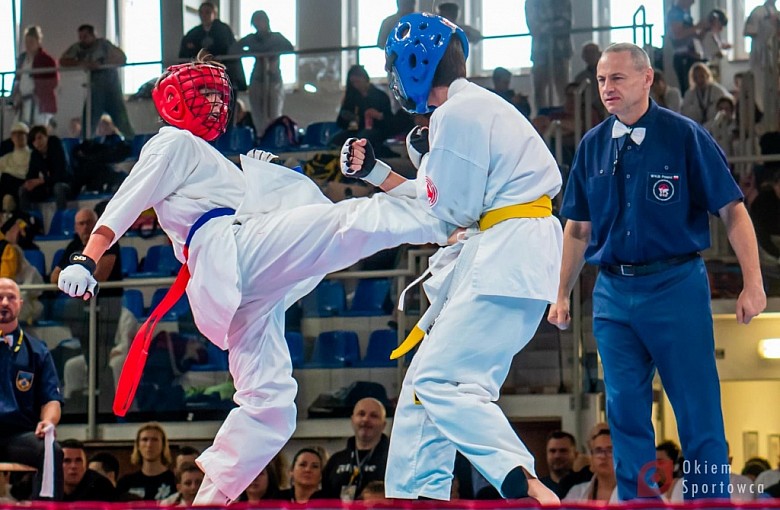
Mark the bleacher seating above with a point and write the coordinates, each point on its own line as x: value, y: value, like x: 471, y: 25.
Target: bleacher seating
x: 335, y: 349
x: 138, y: 143
x: 295, y: 346
x: 129, y: 258
x: 318, y: 134
x: 326, y: 300
x: 62, y: 225
x: 158, y: 262
x: 179, y: 310
x: 380, y: 344
x: 370, y: 298
x: 217, y: 360
x: 133, y: 300
x: 37, y: 260
x: 238, y: 140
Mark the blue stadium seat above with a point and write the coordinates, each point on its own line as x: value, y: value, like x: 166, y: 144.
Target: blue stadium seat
x: 328, y: 299
x: 179, y: 310
x: 238, y: 140
x: 133, y: 300
x: 335, y: 349
x: 37, y: 260
x: 159, y: 261
x: 370, y: 297
x: 380, y: 344
x: 318, y: 134
x: 138, y: 143
x: 129, y: 256
x: 295, y: 346
x: 68, y: 146
x: 56, y: 258
x: 62, y: 224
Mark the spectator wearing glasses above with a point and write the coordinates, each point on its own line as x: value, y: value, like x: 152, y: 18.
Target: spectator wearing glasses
x: 603, y: 485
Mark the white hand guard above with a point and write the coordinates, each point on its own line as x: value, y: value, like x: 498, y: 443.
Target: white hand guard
x: 76, y: 280
x: 262, y: 155
x: 417, y: 145
x: 373, y: 171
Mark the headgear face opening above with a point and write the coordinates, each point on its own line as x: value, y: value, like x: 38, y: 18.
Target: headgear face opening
x: 413, y: 51
x: 195, y: 97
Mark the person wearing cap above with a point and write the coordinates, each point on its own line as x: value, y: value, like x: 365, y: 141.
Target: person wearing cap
x: 14, y: 166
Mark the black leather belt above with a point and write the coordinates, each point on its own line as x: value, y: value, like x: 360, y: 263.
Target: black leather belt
x: 645, y: 269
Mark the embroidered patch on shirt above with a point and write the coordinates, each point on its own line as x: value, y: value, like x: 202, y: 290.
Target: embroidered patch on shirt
x: 663, y: 186
x: 24, y: 380
x: 433, y: 193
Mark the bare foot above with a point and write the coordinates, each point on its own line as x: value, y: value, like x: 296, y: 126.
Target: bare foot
x: 541, y: 493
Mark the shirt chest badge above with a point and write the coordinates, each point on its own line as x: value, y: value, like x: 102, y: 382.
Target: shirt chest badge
x: 433, y: 192
x: 664, y: 186
x: 24, y: 380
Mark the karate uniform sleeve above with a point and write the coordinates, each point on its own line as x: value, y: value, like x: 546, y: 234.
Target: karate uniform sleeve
x: 160, y: 171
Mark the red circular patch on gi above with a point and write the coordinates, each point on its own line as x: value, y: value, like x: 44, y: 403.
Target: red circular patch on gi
x: 433, y: 193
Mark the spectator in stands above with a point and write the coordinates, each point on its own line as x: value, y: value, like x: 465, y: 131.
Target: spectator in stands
x: 373, y: 491
x: 33, y: 92
x: 591, y: 53
x: 664, y: 94
x: 305, y: 477
x: 701, y: 99
x: 188, y: 480
x: 365, y: 113
x: 14, y: 265
x: 154, y: 481
x: 93, y: 159
x: 388, y: 24
x: 502, y: 79
x: 14, y: 166
x: 185, y: 455
x: 264, y: 486
x: 581, y: 471
x: 109, y: 269
x: 561, y: 451
x: 105, y: 464
x: 31, y: 397
x: 102, y: 59
x: 768, y: 478
x: 754, y: 466
x: 217, y: 38
x: 364, y: 459
x: 669, y: 471
x: 762, y: 26
x: 549, y: 22
x: 683, y: 35
x: 603, y: 485
x: 81, y: 483
x: 714, y: 41
x: 47, y: 175
x: 765, y: 212
x: 266, y: 88
x: 450, y: 11
x: 723, y: 127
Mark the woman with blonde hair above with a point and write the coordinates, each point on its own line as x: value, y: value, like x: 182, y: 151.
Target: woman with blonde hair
x: 154, y: 481
x: 701, y: 99
x: 33, y: 92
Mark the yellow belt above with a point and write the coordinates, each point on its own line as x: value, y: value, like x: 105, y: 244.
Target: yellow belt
x: 539, y: 208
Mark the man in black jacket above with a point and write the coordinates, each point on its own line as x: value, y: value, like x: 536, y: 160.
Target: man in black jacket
x: 365, y: 457
x: 82, y: 484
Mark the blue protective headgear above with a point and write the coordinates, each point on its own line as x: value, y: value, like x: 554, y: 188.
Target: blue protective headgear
x: 413, y: 51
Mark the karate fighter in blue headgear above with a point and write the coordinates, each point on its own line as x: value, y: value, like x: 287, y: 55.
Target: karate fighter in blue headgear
x: 483, y: 167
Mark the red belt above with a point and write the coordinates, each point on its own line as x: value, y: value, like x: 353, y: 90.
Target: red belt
x: 133, y: 368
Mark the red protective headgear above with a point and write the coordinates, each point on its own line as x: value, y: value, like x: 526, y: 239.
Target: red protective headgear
x: 195, y: 97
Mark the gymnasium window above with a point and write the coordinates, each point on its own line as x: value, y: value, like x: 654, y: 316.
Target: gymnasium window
x: 283, y: 19
x: 370, y: 14
x: 141, y: 41
x: 622, y: 14
x: 504, y: 17
x: 7, y: 56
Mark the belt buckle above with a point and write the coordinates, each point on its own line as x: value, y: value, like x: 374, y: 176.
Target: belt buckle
x: 626, y: 270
